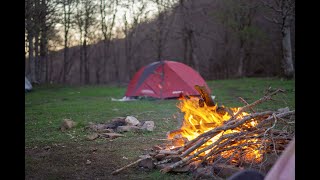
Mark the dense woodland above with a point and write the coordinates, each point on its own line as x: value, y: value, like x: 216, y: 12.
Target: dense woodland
x: 107, y: 41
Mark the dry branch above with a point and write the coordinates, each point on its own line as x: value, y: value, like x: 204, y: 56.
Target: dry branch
x: 192, y: 148
x: 261, y: 100
x: 246, y: 103
x: 129, y: 165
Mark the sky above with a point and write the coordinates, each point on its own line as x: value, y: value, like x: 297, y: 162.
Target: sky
x: 130, y: 12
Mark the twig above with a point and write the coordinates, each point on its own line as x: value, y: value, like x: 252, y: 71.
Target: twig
x: 261, y: 100
x: 278, y: 116
x: 129, y: 165
x: 246, y: 103
x: 162, y: 162
x: 192, y: 148
x: 183, y: 161
x: 168, y: 152
x: 224, y: 143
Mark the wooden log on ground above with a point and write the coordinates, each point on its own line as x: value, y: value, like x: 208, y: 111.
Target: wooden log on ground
x: 129, y: 165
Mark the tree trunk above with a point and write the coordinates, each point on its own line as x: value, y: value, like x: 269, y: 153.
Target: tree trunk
x: 66, y: 24
x: 185, y: 49
x: 86, y: 63
x: 98, y: 67
x: 241, y: 62
x: 47, y: 68
x: 81, y: 64
x: 193, y: 56
x: 105, y: 64
x: 65, y: 61
x: 31, y: 59
x: 36, y: 57
x: 50, y: 68
x: 287, y: 53
x: 43, y: 54
x: 117, y: 65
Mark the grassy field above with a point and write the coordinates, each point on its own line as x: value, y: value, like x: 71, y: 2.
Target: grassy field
x: 52, y: 154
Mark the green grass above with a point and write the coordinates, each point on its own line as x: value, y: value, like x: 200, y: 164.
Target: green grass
x: 47, y: 106
x: 251, y: 89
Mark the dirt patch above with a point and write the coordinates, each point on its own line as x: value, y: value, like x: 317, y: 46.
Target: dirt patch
x: 70, y: 160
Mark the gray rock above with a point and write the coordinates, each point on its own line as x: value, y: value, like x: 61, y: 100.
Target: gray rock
x: 147, y: 163
x: 92, y: 137
x: 148, y: 125
x: 67, y: 124
x: 130, y: 120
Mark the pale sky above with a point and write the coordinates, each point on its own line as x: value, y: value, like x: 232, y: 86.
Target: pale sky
x: 150, y: 10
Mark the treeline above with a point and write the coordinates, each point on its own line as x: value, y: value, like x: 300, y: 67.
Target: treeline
x: 107, y: 41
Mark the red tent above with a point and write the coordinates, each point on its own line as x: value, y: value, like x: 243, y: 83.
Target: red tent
x: 165, y: 79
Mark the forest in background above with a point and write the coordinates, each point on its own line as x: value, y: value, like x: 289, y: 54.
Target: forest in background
x: 106, y: 41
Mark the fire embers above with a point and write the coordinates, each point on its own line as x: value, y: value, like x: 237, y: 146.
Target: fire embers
x: 216, y: 138
x: 219, y: 134
x: 199, y: 119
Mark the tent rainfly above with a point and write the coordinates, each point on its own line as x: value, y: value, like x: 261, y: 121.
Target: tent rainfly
x: 27, y: 85
x: 165, y: 79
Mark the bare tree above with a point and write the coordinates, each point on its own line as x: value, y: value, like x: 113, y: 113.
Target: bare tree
x: 283, y: 13
x: 188, y: 35
x: 47, y: 18
x: 80, y: 23
x: 163, y: 24
x: 36, y: 29
x: 237, y: 17
x: 132, y: 17
x: 39, y: 19
x: 89, y: 10
x: 44, y: 39
x: 29, y: 25
x: 108, y: 11
x: 67, y: 7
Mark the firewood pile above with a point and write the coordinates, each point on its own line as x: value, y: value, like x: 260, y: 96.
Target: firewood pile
x: 231, y: 141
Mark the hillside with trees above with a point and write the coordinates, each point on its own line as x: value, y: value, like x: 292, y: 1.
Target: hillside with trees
x: 103, y: 42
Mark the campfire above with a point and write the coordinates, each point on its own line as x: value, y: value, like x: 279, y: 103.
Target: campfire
x: 214, y: 137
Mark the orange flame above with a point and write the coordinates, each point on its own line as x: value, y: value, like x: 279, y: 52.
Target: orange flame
x: 198, y: 120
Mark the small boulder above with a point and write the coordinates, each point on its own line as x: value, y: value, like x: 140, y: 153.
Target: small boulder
x: 130, y: 120
x: 148, y: 125
x: 147, y: 163
x: 92, y: 137
x: 67, y: 124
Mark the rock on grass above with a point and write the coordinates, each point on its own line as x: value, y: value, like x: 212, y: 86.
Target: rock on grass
x: 67, y: 124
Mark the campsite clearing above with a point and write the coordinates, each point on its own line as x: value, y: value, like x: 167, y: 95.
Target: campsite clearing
x: 52, y: 154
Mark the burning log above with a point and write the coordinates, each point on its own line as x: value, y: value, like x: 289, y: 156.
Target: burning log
x: 211, y: 136
x: 205, y: 95
x: 206, y: 99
